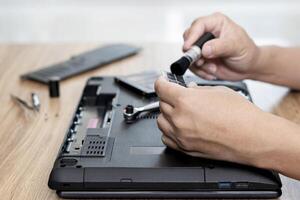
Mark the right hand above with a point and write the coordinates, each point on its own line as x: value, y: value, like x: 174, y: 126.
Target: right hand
x: 231, y: 56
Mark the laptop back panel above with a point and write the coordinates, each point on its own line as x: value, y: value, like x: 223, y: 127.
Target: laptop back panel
x: 101, y: 154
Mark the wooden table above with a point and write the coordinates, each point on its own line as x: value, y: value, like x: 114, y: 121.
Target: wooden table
x: 30, y: 141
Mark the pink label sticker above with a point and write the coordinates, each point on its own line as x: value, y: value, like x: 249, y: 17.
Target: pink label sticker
x: 93, y: 123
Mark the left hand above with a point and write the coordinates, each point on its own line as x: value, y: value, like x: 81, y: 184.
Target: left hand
x: 210, y: 122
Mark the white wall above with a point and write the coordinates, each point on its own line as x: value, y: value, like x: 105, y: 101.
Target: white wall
x: 25, y: 21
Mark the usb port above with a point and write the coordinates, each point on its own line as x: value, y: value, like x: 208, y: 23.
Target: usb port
x: 224, y: 185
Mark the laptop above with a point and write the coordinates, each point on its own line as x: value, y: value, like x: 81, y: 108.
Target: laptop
x: 104, y: 156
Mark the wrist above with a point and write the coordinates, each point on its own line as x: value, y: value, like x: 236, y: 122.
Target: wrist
x: 262, y: 155
x: 278, y: 139
x: 261, y: 62
x: 261, y: 142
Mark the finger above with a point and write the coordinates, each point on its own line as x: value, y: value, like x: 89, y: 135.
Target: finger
x: 212, y: 23
x: 198, y: 154
x: 167, y: 91
x: 194, y: 32
x: 185, y: 34
x: 205, y: 152
x: 202, y: 73
x: 165, y: 127
x: 218, y: 48
x: 198, y: 71
x: 169, y: 142
x: 204, y: 65
x: 174, y: 145
x: 199, y: 62
x: 206, y: 76
x: 210, y: 68
x: 166, y: 109
x: 217, y: 68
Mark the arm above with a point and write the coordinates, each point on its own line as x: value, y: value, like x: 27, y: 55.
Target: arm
x: 225, y: 126
x: 279, y: 66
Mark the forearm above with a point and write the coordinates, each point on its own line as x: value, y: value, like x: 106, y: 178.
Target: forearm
x: 278, y: 66
x: 281, y: 149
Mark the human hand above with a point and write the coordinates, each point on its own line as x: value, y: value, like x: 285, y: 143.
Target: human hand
x: 210, y: 122
x: 231, y: 56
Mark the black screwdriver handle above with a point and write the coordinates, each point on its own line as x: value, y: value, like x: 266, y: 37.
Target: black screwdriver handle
x: 203, y: 39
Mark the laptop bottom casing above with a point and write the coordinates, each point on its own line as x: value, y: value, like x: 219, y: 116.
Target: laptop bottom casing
x: 104, y: 157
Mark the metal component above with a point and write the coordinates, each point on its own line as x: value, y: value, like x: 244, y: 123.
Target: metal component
x: 71, y: 138
x: 35, y: 101
x: 68, y: 147
x: 193, y: 54
x: 79, y: 115
x: 77, y: 122
x: 131, y: 113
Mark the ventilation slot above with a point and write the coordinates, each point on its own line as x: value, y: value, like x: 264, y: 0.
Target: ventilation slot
x: 94, y: 146
x: 152, y: 115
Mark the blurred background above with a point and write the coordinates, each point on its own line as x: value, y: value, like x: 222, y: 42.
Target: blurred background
x: 81, y: 21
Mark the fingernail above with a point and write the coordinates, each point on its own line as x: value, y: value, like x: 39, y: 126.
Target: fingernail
x: 199, y: 62
x: 211, y: 77
x: 208, y: 51
x: 163, y: 139
x: 212, y: 68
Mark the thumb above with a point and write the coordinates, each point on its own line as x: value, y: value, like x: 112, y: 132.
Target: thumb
x: 218, y: 48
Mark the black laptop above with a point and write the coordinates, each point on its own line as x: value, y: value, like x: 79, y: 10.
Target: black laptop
x: 103, y: 156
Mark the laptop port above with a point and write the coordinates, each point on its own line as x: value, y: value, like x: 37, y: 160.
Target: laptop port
x: 224, y: 185
x: 241, y: 185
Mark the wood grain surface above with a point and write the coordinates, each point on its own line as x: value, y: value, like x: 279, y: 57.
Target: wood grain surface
x: 30, y: 141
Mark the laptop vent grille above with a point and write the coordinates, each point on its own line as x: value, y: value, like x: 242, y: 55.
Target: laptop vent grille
x: 94, y: 146
x: 152, y: 115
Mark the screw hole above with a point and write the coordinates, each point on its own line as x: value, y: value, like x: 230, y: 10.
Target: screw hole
x: 210, y: 167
